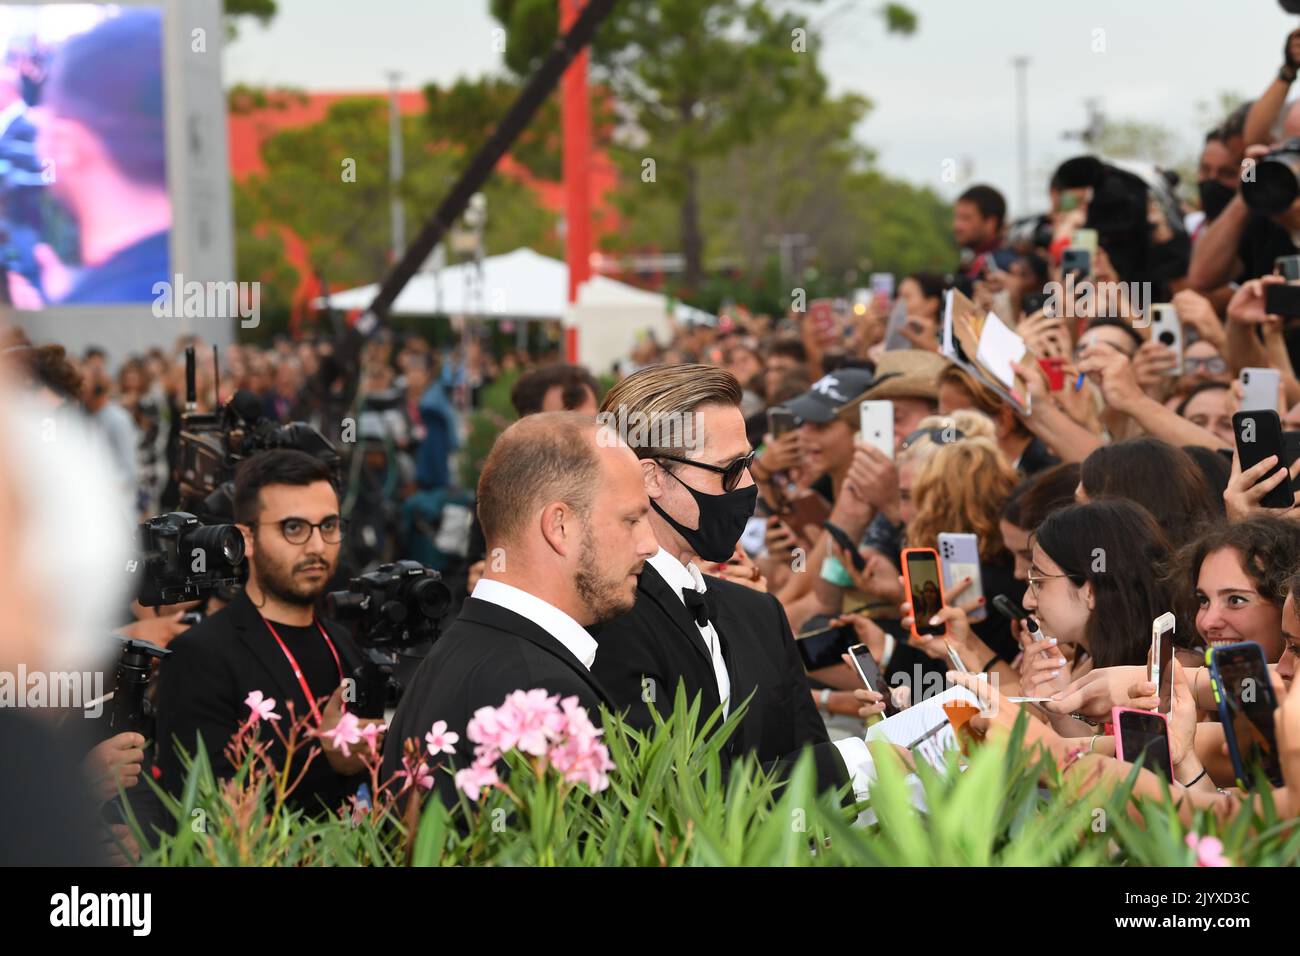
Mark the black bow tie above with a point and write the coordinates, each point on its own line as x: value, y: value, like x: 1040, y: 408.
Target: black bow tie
x: 697, y: 604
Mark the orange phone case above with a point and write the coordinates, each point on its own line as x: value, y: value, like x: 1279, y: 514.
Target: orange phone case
x: 907, y: 587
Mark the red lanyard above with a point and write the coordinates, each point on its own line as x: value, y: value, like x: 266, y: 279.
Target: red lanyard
x: 297, y: 671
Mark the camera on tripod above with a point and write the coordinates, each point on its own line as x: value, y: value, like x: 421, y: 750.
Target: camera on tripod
x: 393, y: 607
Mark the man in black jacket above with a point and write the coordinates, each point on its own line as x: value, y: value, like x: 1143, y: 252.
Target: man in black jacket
x: 268, y: 639
x: 723, y: 640
x: 565, y: 517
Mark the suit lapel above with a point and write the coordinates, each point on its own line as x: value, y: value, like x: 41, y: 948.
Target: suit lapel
x: 495, y: 616
x: 656, y: 589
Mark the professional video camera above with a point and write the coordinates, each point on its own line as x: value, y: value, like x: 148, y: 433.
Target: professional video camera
x: 391, y: 608
x: 213, y: 443
x: 132, y: 710
x: 1275, y: 183
x: 182, y: 559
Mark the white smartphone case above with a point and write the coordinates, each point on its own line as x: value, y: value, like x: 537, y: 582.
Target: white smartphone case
x: 1167, y: 329
x: 1259, y: 389
x: 877, y: 426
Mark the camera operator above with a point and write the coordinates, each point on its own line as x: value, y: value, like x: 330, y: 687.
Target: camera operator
x: 268, y: 638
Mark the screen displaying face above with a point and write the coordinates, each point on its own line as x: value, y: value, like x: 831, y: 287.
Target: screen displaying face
x: 926, y: 596
x: 85, y: 213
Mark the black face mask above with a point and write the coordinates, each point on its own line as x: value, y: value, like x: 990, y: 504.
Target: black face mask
x: 722, y: 520
x: 1214, y: 197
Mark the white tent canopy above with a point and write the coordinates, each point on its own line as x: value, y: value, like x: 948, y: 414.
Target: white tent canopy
x: 518, y: 285
x: 525, y: 285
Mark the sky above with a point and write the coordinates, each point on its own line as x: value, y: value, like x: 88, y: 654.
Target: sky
x: 947, y: 93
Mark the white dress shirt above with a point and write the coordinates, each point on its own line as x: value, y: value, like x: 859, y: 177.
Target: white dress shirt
x: 547, y: 616
x: 857, y: 758
x: 679, y: 576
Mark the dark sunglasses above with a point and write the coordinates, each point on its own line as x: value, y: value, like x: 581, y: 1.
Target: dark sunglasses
x: 940, y: 436
x: 730, y: 473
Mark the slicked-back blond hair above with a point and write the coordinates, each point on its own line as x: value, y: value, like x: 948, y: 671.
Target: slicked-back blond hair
x: 666, y: 394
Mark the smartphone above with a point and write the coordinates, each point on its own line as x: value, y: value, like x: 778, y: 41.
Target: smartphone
x: 1143, y: 733
x: 959, y: 557
x: 1032, y: 302
x: 876, y: 423
x: 811, y: 509
x: 821, y: 645
x: 894, y: 337
x: 1283, y: 300
x: 872, y: 678
x: 923, y: 585
x: 1167, y: 329
x: 1258, y: 435
x: 1259, y: 388
x: 1161, y: 669
x: 1054, y: 369
x: 845, y: 542
x: 780, y: 420
x: 1244, y: 693
x: 1076, y: 260
x: 1008, y: 608
x: 1288, y: 267
x: 1085, y: 239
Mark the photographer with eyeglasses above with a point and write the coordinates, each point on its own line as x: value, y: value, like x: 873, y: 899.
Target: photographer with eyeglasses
x: 270, y: 637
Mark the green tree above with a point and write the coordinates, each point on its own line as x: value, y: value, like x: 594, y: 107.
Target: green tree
x: 328, y: 183
x: 692, y: 80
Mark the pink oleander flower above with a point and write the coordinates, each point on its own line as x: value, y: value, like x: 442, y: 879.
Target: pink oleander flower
x: 262, y: 707
x: 582, y: 759
x: 473, y: 780
x: 370, y: 734
x: 439, y: 740
x: 1208, y: 850
x: 420, y: 775
x: 345, y: 733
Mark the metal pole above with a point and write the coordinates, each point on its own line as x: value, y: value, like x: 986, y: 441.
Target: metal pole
x: 397, y: 212
x: 1022, y: 130
x: 531, y: 97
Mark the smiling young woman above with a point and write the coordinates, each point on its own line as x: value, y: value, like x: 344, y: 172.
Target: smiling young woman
x: 1238, y: 574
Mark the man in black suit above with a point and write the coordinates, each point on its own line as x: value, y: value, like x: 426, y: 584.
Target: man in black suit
x: 269, y: 639
x: 723, y: 640
x: 565, y: 517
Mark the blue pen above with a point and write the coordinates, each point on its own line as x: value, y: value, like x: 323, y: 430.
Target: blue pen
x: 1078, y: 382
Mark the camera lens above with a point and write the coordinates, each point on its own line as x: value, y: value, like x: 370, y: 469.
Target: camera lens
x: 431, y: 597
x: 1274, y: 186
x: 1167, y: 338
x: 222, y: 539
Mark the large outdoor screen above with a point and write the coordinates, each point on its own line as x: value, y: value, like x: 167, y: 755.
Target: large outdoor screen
x: 85, y: 211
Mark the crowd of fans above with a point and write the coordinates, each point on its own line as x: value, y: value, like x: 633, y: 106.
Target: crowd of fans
x: 1125, y: 447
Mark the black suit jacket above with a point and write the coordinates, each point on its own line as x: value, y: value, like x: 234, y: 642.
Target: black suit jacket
x: 201, y: 689
x: 486, y: 654
x: 644, y: 653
